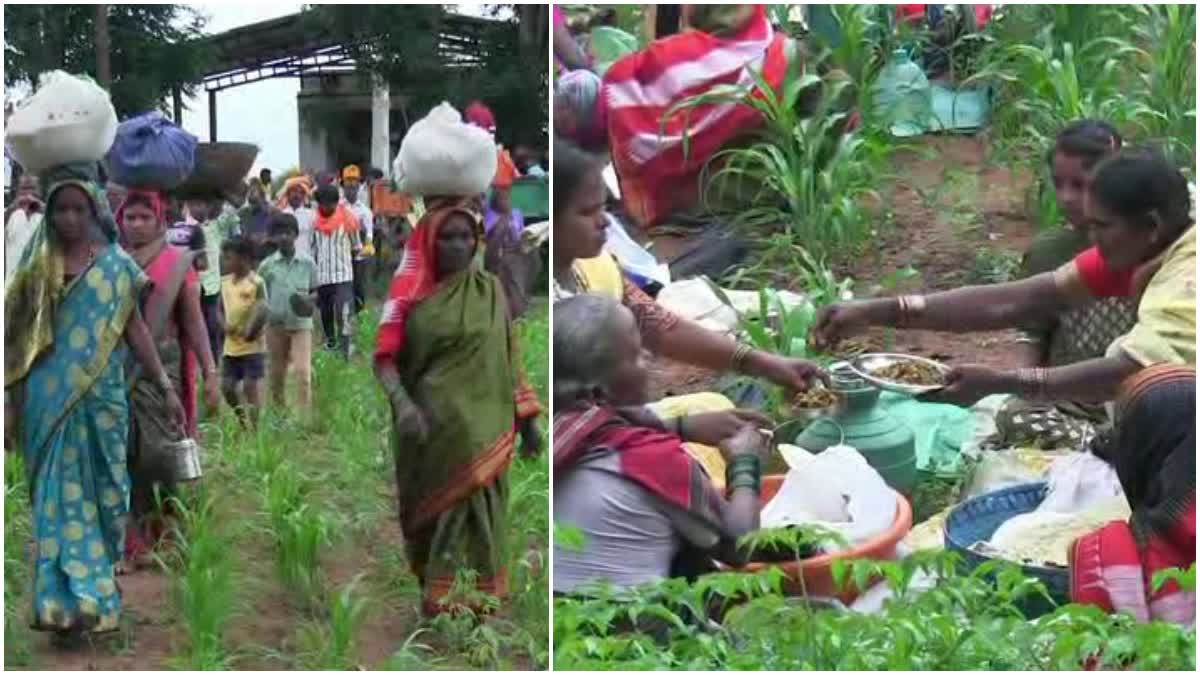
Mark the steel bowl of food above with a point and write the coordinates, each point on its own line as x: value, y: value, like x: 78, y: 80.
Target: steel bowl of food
x: 901, y: 373
x: 810, y: 405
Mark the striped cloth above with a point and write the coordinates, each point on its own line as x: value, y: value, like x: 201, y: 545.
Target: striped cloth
x: 334, y: 256
x: 657, y: 176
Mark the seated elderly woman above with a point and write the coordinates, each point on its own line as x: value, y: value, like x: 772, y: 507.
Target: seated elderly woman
x: 645, y: 507
x: 582, y: 266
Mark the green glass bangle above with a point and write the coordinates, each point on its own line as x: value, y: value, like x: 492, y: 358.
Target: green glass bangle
x: 745, y: 462
x: 744, y: 471
x: 744, y: 481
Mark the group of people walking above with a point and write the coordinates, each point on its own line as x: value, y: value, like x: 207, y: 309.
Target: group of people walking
x: 118, y: 320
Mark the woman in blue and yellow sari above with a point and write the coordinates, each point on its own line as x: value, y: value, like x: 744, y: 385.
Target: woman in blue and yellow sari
x: 71, y: 317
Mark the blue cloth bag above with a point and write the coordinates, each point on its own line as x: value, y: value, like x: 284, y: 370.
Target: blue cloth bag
x: 149, y: 151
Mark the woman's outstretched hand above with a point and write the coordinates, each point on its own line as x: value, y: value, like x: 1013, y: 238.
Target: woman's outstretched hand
x: 838, y: 322
x: 713, y: 428
x: 966, y: 385
x: 747, y: 441
x: 795, y: 375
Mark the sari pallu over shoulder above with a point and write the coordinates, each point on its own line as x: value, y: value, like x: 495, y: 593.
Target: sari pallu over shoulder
x: 170, y: 271
x: 459, y: 364
x: 651, y: 458
x: 1155, y: 458
x: 88, y: 328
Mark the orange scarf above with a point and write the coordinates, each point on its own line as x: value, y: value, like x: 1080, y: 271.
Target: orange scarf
x: 341, y: 219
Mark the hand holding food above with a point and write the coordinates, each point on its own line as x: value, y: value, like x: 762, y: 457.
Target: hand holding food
x: 911, y: 372
x: 714, y: 427
x: 966, y: 385
x: 791, y: 374
x: 747, y: 441
x: 839, y: 321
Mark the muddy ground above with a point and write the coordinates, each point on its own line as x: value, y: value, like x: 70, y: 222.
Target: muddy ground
x: 949, y: 203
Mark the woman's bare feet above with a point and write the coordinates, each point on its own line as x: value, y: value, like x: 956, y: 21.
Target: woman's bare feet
x: 70, y: 639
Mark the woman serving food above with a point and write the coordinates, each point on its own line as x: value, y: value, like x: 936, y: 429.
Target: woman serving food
x: 1139, y: 210
x: 580, y: 266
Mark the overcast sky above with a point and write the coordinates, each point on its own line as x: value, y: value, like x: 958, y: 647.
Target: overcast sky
x: 263, y: 113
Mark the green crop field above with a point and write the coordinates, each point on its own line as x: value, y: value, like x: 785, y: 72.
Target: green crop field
x: 290, y: 555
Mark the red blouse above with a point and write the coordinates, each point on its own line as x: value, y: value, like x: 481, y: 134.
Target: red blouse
x: 1101, y: 280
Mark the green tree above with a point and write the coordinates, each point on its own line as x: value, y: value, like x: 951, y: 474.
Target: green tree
x: 153, y: 49
x: 503, y: 60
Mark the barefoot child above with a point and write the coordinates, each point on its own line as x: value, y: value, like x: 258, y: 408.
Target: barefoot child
x: 291, y: 280
x: 244, y: 296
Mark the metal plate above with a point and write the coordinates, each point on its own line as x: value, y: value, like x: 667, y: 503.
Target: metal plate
x: 866, y: 364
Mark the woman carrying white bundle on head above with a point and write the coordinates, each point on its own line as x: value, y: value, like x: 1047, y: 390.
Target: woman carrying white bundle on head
x: 446, y: 356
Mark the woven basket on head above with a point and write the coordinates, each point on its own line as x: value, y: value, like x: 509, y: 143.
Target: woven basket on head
x: 221, y: 168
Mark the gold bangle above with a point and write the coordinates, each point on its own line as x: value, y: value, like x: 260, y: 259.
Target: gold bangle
x: 911, y: 308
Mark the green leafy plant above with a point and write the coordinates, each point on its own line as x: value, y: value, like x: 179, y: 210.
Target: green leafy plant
x: 332, y: 645
x: 798, y: 171
x: 204, y: 588
x: 995, y: 266
x: 18, y: 529
x: 301, y: 536
x: 951, y: 621
x: 1165, y: 36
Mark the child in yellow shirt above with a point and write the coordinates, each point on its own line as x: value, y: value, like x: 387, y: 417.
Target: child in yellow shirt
x: 244, y: 295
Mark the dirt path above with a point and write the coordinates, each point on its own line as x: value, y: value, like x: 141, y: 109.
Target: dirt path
x: 346, y: 479
x: 946, y: 208
x: 143, y: 643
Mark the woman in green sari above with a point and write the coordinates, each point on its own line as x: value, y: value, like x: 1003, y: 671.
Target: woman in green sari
x: 71, y: 315
x: 447, y: 358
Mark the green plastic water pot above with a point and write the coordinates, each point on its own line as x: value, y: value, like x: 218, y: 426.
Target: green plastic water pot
x: 886, y: 442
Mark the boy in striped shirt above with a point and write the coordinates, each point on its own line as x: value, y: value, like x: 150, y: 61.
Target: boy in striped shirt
x: 336, y: 239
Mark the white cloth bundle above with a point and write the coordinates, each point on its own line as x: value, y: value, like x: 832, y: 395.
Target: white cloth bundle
x: 442, y: 155
x: 69, y: 119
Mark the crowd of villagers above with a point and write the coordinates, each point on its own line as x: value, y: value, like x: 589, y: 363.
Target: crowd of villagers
x: 663, y: 488
x: 106, y: 332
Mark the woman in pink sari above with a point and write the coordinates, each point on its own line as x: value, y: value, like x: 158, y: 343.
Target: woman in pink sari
x: 172, y: 312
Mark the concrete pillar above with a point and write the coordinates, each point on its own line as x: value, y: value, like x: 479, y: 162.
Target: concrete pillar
x: 212, y: 115
x: 177, y: 105
x: 380, y: 133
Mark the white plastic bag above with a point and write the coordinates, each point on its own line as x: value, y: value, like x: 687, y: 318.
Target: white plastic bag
x: 695, y: 299
x: 837, y: 490
x: 68, y: 119
x: 630, y: 254
x: 1078, y: 482
x: 442, y: 155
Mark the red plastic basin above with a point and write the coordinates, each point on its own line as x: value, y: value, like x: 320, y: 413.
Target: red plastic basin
x: 817, y: 573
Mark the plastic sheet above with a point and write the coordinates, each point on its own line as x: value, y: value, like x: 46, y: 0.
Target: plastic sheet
x: 836, y: 489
